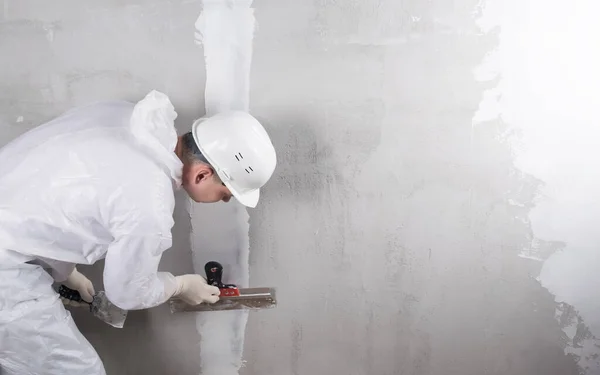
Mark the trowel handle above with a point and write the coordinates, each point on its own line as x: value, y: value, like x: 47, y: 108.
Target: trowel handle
x: 214, y: 273
x: 73, y: 295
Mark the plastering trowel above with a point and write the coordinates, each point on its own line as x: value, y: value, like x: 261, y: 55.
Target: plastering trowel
x: 231, y: 297
x: 100, y: 306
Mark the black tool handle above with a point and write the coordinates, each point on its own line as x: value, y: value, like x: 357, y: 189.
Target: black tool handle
x: 214, y: 275
x: 71, y: 294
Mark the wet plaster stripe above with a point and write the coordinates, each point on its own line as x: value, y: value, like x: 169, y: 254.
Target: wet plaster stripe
x: 225, y: 31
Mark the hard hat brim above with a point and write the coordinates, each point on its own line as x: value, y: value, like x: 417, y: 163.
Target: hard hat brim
x: 249, y: 199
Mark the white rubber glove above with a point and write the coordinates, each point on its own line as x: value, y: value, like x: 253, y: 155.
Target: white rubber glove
x: 193, y: 290
x: 82, y: 284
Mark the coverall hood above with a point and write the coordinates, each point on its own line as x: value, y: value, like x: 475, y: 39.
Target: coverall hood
x: 153, y: 126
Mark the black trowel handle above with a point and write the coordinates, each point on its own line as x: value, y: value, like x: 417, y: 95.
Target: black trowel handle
x: 70, y: 294
x: 214, y: 273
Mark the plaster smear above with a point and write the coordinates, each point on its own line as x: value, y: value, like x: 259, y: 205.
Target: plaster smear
x: 220, y: 231
x: 548, y: 80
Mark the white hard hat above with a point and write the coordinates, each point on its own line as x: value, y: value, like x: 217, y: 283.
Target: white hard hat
x: 240, y: 150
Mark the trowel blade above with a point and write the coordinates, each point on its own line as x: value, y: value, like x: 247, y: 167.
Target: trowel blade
x: 248, y: 299
x: 104, y: 310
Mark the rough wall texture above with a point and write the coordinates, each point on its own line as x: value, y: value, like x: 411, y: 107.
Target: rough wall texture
x: 387, y: 228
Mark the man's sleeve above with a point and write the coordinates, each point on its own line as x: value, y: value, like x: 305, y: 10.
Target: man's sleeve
x: 58, y: 270
x: 131, y: 277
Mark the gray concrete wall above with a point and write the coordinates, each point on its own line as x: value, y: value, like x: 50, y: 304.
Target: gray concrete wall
x: 387, y: 228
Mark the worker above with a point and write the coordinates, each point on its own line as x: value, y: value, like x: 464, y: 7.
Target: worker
x: 97, y: 183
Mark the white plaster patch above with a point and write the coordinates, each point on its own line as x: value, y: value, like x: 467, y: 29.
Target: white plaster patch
x: 548, y: 93
x: 220, y: 231
x: 225, y: 30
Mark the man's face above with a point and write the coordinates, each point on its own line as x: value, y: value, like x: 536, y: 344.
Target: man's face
x: 201, y: 184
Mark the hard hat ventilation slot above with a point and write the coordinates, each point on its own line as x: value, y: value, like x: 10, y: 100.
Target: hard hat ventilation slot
x: 240, y: 157
x: 247, y: 171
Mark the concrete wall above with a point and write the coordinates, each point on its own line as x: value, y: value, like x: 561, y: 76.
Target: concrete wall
x: 390, y: 228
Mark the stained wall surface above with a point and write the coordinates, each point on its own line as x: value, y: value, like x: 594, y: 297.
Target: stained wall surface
x: 393, y: 226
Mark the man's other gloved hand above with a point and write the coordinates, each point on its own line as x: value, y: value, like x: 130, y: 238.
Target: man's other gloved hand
x: 82, y: 284
x: 193, y: 290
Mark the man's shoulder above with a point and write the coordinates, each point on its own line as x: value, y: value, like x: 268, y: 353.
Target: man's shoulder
x: 147, y: 200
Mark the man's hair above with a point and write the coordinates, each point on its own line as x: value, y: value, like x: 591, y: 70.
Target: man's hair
x: 192, y: 153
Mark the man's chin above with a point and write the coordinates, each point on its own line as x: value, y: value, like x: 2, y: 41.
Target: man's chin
x: 196, y: 200
x: 189, y: 194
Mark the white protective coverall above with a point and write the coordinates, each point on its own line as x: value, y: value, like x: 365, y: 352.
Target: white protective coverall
x: 97, y: 182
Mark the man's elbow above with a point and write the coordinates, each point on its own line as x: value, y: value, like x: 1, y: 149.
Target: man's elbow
x: 128, y: 298
x: 122, y: 298
x: 141, y: 292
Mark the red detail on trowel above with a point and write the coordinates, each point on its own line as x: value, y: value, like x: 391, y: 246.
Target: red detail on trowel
x: 230, y: 292
x: 214, y: 274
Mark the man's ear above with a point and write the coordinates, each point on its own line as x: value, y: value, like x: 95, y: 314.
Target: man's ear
x: 203, y: 173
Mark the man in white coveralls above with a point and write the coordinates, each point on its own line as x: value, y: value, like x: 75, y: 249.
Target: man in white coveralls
x: 98, y: 182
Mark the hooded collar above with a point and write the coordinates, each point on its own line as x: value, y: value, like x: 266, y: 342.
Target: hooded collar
x: 153, y: 126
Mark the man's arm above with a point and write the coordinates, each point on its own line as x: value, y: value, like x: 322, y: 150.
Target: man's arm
x: 131, y: 277
x: 59, y: 270
x: 141, y: 234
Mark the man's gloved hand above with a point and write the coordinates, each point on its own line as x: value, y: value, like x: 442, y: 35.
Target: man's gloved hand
x: 82, y: 284
x: 193, y: 290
